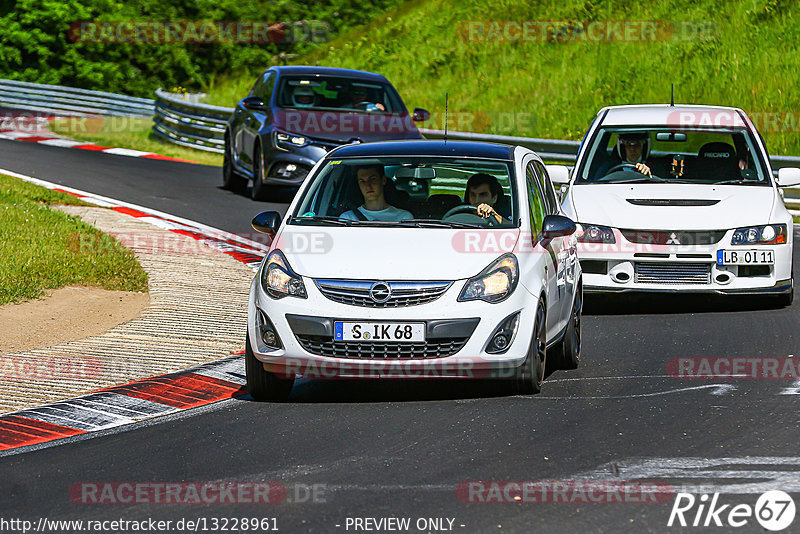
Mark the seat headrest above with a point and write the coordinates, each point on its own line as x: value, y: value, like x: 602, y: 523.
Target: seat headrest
x: 717, y: 150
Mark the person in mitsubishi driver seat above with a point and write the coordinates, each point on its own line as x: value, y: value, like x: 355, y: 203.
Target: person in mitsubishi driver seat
x: 372, y: 183
x: 632, y: 149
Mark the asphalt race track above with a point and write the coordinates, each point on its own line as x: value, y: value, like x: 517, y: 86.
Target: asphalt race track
x: 363, y: 449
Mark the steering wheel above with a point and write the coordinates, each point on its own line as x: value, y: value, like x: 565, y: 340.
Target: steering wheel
x: 466, y: 208
x: 620, y: 167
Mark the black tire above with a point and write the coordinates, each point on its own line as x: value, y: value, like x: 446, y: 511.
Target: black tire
x: 259, y: 190
x: 785, y: 300
x: 530, y: 375
x: 230, y: 180
x: 261, y: 384
x: 569, y: 348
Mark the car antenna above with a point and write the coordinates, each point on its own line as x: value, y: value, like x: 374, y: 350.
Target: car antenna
x: 445, y: 118
x: 672, y: 95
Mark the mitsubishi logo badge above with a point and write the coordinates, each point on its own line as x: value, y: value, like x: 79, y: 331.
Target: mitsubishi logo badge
x: 380, y: 292
x: 673, y: 239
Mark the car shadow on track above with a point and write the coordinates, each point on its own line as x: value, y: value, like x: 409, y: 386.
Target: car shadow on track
x: 654, y: 303
x: 321, y: 391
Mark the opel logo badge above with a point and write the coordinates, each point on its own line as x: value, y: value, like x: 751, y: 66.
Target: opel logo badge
x: 380, y: 292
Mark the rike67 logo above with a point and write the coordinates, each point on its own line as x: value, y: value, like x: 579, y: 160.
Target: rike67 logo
x: 774, y: 511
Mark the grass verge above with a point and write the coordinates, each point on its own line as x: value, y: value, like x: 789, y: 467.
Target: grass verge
x: 129, y: 132
x: 745, y: 55
x: 40, y: 248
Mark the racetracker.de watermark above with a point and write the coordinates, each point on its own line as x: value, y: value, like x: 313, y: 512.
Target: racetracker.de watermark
x: 588, y: 31
x: 767, y: 368
x: 22, y: 367
x: 565, y: 491
x: 777, y: 122
x: 199, y: 31
x: 224, y: 492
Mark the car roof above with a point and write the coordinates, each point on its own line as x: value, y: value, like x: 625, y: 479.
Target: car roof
x: 665, y: 114
x: 426, y: 147
x: 327, y: 71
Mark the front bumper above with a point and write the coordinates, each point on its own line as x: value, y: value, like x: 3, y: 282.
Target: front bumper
x: 625, y: 266
x: 445, y: 319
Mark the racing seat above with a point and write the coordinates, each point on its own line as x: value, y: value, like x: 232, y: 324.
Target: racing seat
x: 715, y: 160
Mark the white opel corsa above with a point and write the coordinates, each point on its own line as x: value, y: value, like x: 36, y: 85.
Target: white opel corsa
x: 384, y: 268
x: 704, y: 213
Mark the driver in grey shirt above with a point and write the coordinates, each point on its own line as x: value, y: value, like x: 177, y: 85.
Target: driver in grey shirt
x: 371, y: 182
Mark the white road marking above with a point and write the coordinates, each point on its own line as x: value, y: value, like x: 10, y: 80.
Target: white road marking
x: 717, y: 389
x: 126, y: 152
x: 793, y: 390
x: 784, y: 473
x: 61, y: 142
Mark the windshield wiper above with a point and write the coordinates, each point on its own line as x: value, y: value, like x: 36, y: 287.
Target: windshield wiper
x: 440, y: 224
x: 738, y: 181
x: 337, y: 221
x: 419, y: 223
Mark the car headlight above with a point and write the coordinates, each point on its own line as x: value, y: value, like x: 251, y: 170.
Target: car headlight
x: 594, y: 233
x: 769, y: 234
x: 289, y: 140
x: 495, y: 283
x: 278, y: 280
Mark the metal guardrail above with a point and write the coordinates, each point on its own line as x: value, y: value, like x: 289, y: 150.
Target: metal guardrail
x: 189, y: 124
x: 202, y: 126
x: 68, y: 101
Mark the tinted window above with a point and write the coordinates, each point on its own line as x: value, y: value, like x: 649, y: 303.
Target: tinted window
x: 549, y: 192
x: 337, y: 93
x: 536, y: 200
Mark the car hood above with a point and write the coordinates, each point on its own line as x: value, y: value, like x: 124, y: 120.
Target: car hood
x: 392, y: 253
x: 344, y: 127
x: 672, y: 206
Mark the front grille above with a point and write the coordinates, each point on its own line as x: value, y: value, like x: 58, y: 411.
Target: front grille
x: 357, y: 292
x: 673, y: 237
x: 672, y: 273
x: 380, y: 350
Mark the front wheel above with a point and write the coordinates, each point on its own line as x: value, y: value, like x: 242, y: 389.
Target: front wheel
x: 230, y: 180
x: 569, y: 349
x: 259, y: 191
x: 261, y: 384
x: 530, y: 375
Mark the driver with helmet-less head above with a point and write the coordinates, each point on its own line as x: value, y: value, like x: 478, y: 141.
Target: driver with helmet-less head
x: 483, y: 190
x: 632, y: 148
x: 372, y: 182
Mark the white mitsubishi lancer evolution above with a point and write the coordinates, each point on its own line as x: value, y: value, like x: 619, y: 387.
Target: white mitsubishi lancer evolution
x: 680, y: 199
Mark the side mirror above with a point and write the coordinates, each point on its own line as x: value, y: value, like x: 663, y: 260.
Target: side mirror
x: 255, y: 103
x: 557, y: 226
x: 559, y: 174
x: 788, y: 177
x: 421, y: 115
x: 267, y: 222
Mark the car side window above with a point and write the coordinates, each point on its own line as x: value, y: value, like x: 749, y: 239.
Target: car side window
x: 256, y: 86
x: 267, y: 87
x: 549, y: 192
x: 536, y: 201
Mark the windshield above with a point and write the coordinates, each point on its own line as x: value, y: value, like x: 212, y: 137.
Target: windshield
x: 410, y: 191
x: 711, y: 156
x: 330, y: 93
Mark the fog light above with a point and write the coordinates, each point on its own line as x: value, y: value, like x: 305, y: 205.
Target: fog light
x: 500, y: 341
x: 503, y: 335
x: 291, y: 167
x: 268, y: 334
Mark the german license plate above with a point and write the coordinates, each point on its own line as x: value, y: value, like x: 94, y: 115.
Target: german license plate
x: 745, y: 257
x: 394, y: 332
